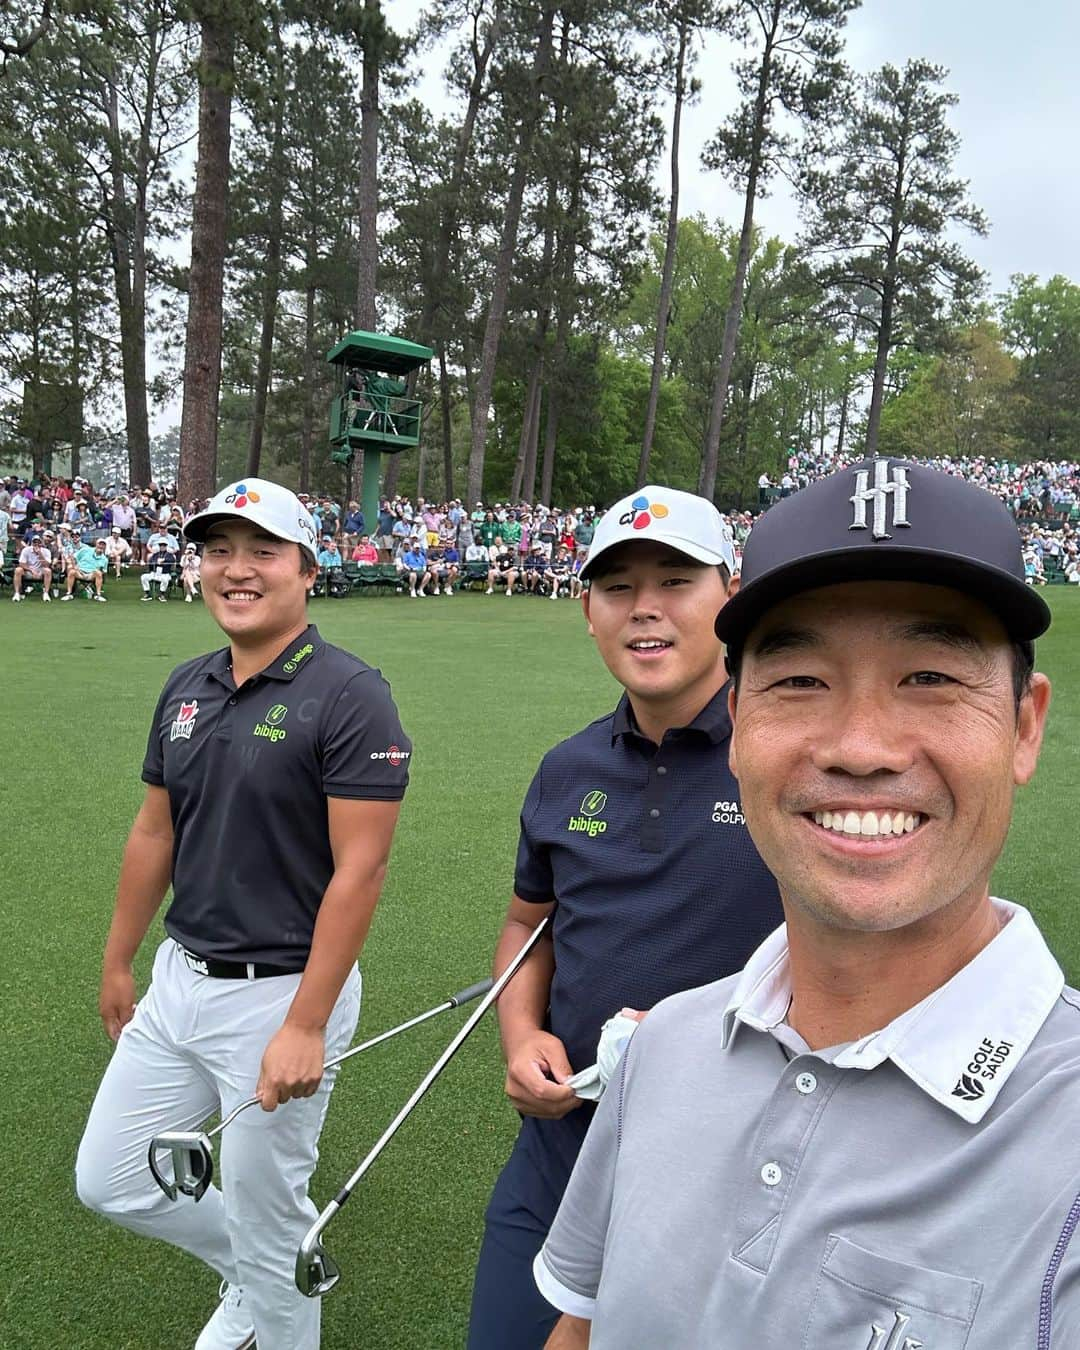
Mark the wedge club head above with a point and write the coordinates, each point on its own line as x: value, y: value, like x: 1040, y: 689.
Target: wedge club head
x: 316, y: 1270
x: 192, y: 1162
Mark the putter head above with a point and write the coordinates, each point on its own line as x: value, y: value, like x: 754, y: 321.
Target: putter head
x: 316, y: 1271
x: 192, y: 1162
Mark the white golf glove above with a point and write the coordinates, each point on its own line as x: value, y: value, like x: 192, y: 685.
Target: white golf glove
x: 614, y: 1038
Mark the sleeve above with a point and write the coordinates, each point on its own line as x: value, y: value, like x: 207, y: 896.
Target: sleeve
x: 568, y: 1267
x: 365, y: 752
x: 533, y: 876
x: 153, y: 768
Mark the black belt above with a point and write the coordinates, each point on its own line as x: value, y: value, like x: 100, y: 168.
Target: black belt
x: 234, y: 970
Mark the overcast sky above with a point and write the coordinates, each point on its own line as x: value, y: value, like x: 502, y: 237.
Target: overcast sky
x: 1014, y: 69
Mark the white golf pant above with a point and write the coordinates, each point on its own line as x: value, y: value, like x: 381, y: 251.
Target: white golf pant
x: 194, y: 1047
x: 162, y: 579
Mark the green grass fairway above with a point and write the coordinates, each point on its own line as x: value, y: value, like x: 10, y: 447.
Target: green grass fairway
x: 484, y: 687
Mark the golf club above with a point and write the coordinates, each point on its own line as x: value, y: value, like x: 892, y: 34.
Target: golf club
x: 316, y: 1271
x: 191, y: 1150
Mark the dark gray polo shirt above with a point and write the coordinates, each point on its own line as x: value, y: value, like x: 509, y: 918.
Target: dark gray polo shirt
x: 248, y: 772
x: 917, y: 1188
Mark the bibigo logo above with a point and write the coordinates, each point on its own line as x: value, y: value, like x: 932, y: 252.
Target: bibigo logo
x: 240, y: 496
x: 294, y: 661
x: 276, y: 715
x: 642, y: 513
x: 591, y: 806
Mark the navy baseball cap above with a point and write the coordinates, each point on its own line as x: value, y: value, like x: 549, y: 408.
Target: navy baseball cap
x: 886, y: 520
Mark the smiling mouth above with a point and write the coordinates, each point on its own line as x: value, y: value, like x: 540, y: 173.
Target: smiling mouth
x: 244, y: 596
x: 649, y: 645
x: 867, y: 824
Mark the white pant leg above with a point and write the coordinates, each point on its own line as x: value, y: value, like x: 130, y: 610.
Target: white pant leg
x: 267, y: 1158
x: 150, y: 1085
x: 145, y: 581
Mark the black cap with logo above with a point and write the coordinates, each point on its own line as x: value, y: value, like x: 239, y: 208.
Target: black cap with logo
x: 886, y: 520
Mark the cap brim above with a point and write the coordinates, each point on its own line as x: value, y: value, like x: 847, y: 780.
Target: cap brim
x: 690, y: 547
x: 197, y: 527
x: 1023, y: 613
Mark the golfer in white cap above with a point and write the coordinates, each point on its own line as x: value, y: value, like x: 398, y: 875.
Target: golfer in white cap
x: 633, y: 838
x: 274, y: 773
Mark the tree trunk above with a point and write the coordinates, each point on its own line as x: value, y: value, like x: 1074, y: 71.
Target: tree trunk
x: 272, y: 272
x: 532, y: 445
x: 504, y: 261
x: 710, y: 457
x: 369, y: 171
x: 667, y: 277
x: 202, y: 349
x: 448, y: 216
x: 447, y: 428
x: 126, y: 233
x: 307, y: 415
x: 529, y: 422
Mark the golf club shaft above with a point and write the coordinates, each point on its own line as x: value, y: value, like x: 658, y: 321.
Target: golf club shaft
x: 454, y: 1001
x: 429, y: 1078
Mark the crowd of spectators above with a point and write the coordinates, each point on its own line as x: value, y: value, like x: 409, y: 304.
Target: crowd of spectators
x: 60, y: 536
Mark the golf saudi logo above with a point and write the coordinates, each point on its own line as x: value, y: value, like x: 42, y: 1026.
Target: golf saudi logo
x: 592, y: 805
x: 270, y: 726
x: 642, y: 513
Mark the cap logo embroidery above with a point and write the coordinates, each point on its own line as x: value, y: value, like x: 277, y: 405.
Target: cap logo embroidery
x: 240, y: 496
x: 897, y: 1340
x: 642, y: 513
x: 884, y: 488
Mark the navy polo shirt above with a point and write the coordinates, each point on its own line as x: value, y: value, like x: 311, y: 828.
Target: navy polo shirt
x: 658, y: 885
x: 248, y: 772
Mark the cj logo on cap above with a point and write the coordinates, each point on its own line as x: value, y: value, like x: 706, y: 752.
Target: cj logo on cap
x: 884, y: 488
x: 642, y: 513
x: 240, y: 496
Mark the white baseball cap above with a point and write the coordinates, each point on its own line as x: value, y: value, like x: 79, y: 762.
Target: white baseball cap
x: 682, y: 520
x: 269, y: 505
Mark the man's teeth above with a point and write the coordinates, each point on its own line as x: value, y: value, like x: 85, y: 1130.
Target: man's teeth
x: 868, y: 822
x: 241, y: 595
x: 649, y: 645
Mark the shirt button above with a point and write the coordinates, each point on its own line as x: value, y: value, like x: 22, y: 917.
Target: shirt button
x: 806, y: 1083
x: 771, y: 1174
x: 654, y: 813
x: 661, y: 769
x: 232, y: 703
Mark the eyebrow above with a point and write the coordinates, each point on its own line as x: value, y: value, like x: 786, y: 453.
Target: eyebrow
x: 213, y: 534
x: 940, y: 632
x: 675, y: 564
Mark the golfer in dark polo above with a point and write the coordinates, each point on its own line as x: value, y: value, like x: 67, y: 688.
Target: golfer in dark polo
x: 274, y: 774
x: 867, y: 1138
x: 632, y: 836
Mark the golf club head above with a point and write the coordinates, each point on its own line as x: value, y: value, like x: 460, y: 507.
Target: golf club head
x: 316, y: 1270
x: 192, y: 1162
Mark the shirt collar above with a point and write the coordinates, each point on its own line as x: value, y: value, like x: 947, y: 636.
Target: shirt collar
x: 712, y: 721
x: 961, y: 1043
x: 284, y: 666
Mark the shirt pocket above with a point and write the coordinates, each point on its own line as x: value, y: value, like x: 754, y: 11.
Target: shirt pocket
x: 870, y: 1302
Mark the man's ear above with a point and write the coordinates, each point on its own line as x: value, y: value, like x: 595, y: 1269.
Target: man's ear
x: 585, y: 609
x: 733, y: 585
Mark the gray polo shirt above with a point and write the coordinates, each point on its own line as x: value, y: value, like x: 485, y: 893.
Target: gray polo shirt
x: 917, y: 1188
